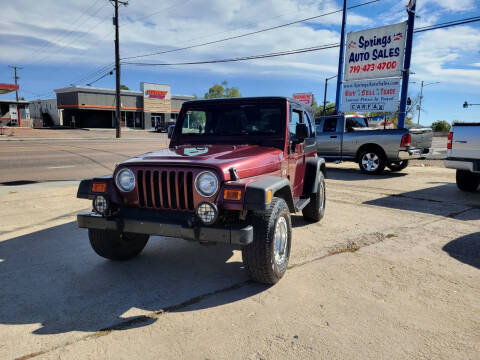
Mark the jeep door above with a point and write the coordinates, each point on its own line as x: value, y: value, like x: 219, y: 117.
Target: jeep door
x: 329, y: 137
x: 296, y: 153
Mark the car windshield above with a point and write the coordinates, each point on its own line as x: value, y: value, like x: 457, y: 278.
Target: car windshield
x: 233, y: 120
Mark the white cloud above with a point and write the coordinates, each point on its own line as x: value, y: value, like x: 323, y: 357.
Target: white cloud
x: 452, y: 5
x: 442, y: 55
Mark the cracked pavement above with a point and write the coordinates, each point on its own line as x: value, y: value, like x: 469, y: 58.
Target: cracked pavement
x: 392, y: 271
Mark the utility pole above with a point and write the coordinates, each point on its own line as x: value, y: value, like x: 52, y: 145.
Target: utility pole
x: 325, y: 94
x: 14, y: 67
x: 406, y: 64
x: 421, y: 97
x: 117, y: 67
x: 338, y: 97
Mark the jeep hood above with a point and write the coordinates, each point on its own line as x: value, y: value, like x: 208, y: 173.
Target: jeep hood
x: 248, y: 160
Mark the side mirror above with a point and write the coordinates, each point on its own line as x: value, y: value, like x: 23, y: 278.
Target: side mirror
x: 301, y: 131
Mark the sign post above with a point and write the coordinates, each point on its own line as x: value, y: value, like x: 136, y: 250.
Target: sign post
x: 406, y: 67
x: 341, y: 59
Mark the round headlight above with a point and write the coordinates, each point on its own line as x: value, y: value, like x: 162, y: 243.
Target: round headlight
x: 100, y: 204
x: 206, y: 183
x: 207, y: 213
x: 125, y: 180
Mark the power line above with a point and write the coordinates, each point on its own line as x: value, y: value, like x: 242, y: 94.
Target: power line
x: 101, y: 77
x: 243, y: 58
x: 448, y: 24
x: 295, y: 51
x: 250, y: 33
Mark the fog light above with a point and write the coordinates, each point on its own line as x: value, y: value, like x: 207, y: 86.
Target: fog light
x: 100, y: 204
x: 207, y: 213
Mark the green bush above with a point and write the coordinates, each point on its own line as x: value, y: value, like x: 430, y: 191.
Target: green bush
x: 441, y: 126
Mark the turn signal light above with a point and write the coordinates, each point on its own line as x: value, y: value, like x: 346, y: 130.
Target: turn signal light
x: 232, y: 195
x: 406, y: 140
x: 450, y: 140
x: 99, y: 187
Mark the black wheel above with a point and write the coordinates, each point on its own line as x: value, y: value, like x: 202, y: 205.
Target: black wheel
x: 266, y: 258
x: 315, y: 210
x: 371, y: 161
x: 467, y: 181
x: 115, y: 245
x: 397, y: 165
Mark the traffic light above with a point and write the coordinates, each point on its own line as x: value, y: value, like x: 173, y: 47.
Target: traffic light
x: 409, y: 101
x: 465, y: 105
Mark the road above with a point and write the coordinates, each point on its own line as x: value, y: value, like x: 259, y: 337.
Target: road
x: 392, y: 271
x: 36, y: 160
x: 49, y: 155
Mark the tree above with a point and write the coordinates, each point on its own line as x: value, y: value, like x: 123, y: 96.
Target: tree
x: 441, y: 126
x: 318, y: 109
x: 222, y: 91
x: 124, y: 87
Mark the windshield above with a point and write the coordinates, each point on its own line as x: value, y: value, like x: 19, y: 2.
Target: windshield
x: 234, y: 120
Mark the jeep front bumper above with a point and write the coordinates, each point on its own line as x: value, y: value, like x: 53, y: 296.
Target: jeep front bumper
x: 231, y: 234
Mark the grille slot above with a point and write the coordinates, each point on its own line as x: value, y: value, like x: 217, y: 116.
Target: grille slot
x: 165, y: 189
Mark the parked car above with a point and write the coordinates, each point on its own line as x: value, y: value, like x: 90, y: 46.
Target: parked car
x: 234, y: 172
x: 162, y: 126
x: 463, y: 154
x: 348, y: 138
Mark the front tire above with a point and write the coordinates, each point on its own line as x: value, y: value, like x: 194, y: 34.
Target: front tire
x: 397, y: 165
x: 371, y: 162
x: 266, y: 258
x: 467, y: 181
x: 315, y: 210
x: 115, y: 245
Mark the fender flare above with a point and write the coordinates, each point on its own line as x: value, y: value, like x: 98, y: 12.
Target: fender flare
x: 256, y: 192
x: 313, y: 168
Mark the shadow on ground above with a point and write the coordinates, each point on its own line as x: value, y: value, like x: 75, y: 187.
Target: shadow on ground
x: 338, y: 173
x: 443, y: 200
x: 465, y: 249
x: 53, y: 278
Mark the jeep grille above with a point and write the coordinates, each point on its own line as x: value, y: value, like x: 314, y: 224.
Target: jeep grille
x: 165, y: 189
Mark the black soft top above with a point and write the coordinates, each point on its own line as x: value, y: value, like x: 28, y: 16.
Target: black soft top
x: 244, y: 99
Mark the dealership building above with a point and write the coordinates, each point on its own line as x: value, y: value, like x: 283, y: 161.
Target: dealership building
x: 90, y: 107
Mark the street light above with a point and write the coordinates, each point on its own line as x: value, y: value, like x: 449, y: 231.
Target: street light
x: 467, y: 104
x: 421, y: 97
x: 325, y: 93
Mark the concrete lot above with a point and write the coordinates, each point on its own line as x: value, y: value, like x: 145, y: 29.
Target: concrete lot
x: 392, y: 271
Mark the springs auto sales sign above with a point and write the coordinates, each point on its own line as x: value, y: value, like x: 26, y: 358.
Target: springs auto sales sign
x: 375, y: 53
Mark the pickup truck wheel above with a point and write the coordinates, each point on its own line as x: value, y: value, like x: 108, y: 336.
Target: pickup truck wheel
x: 371, y: 162
x: 467, y: 181
x: 397, y: 165
x: 115, y: 245
x: 315, y: 210
x: 266, y: 258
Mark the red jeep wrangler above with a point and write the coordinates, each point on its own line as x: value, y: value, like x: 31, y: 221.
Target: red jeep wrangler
x: 235, y: 170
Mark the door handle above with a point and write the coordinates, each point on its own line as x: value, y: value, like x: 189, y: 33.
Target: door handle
x: 333, y: 136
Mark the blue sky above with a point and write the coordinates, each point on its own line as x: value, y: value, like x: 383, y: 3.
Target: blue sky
x: 60, y: 42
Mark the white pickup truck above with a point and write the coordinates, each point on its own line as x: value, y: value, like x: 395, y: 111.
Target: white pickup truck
x: 463, y: 154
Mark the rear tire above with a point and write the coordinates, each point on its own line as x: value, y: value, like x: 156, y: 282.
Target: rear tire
x: 315, y: 210
x: 467, y: 181
x: 397, y: 165
x: 115, y: 245
x: 371, y: 161
x: 266, y: 258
